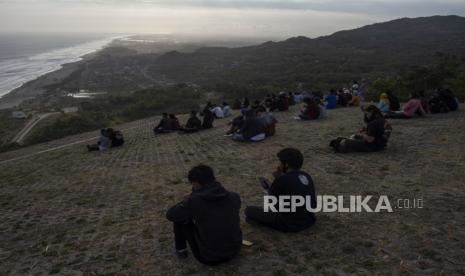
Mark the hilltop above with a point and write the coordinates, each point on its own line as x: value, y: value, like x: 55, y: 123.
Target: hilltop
x: 371, y: 51
x: 68, y: 211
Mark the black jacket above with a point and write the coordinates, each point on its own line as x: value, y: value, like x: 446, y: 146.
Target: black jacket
x: 291, y: 184
x: 194, y: 123
x: 215, y: 214
x: 252, y: 127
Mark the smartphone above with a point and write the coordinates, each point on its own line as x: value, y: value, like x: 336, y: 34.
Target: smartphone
x: 264, y: 182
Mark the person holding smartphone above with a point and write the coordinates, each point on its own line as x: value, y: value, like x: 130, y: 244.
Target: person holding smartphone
x: 289, y: 180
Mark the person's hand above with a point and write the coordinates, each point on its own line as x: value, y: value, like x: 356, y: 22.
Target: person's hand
x: 187, y: 196
x: 278, y: 172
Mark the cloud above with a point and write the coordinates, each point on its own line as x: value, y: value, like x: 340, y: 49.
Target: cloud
x: 255, y: 17
x: 392, y: 7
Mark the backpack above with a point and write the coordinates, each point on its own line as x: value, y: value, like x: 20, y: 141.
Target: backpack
x: 117, y: 139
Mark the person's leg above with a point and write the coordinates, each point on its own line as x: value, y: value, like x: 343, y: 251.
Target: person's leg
x: 257, y: 215
x: 354, y: 145
x: 92, y: 147
x: 184, y: 233
x: 395, y: 115
x: 238, y: 137
x: 180, y: 240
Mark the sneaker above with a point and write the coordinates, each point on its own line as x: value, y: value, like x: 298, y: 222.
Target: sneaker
x: 182, y: 254
x: 228, y: 135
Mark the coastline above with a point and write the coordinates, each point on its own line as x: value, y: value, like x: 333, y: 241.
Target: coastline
x: 35, y: 87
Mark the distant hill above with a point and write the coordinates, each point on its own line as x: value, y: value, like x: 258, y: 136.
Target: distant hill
x: 373, y: 50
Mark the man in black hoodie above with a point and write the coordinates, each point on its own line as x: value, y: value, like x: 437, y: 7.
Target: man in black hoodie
x: 193, y: 124
x: 289, y: 180
x: 207, y: 219
x: 164, y: 126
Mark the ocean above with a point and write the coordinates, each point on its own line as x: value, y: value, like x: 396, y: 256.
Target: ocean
x: 25, y: 57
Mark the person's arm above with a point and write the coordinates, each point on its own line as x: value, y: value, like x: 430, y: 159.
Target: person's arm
x: 275, y: 188
x: 159, y: 124
x: 369, y: 135
x: 179, y: 212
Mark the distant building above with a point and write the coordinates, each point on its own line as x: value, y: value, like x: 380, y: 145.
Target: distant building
x: 18, y: 114
x: 71, y: 109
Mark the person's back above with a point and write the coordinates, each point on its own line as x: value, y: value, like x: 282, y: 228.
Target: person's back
x: 269, y: 121
x: 252, y: 126
x: 311, y: 111
x: 383, y: 104
x: 331, y: 101
x: 394, y: 104
x: 412, y: 107
x: 209, y: 217
x: 376, y: 129
x: 166, y: 124
x: 218, y: 112
x: 116, y: 138
x: 226, y: 111
x: 208, y: 119
x: 193, y: 123
x: 283, y: 103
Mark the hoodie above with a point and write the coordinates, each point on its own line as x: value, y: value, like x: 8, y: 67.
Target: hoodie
x: 214, y: 212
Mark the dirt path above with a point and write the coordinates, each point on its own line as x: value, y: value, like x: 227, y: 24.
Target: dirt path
x: 22, y: 134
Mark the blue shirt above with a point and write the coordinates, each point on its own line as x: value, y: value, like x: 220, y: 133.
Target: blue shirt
x: 331, y: 101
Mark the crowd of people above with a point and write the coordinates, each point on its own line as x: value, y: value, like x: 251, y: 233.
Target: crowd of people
x: 208, y: 219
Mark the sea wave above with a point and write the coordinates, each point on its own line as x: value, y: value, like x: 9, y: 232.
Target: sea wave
x: 15, y: 72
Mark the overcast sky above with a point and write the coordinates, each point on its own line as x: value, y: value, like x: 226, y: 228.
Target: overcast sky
x: 276, y: 18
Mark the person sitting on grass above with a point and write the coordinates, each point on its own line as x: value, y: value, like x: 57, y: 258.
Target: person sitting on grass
x: 207, y: 219
x: 436, y: 104
x: 217, y: 111
x: 103, y: 142
x: 193, y: 124
x: 394, y: 104
x: 236, y: 124
x: 383, y: 104
x: 268, y: 121
x: 164, y: 126
x: 373, y: 137
x: 252, y: 130
x: 116, y: 138
x: 208, y: 118
x: 331, y: 100
x: 283, y: 103
x: 311, y: 110
x: 289, y: 180
x: 449, y: 99
x: 411, y: 108
x: 341, y: 98
x: 226, y: 110
x: 175, y: 125
x: 424, y: 101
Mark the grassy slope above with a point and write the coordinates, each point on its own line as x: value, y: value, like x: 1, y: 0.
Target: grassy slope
x: 69, y: 210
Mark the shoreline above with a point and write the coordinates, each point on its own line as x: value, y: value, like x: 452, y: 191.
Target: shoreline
x: 35, y: 87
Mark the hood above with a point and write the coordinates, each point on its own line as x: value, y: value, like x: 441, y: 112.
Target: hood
x: 211, y: 192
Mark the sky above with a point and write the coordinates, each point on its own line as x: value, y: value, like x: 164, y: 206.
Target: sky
x: 270, y: 18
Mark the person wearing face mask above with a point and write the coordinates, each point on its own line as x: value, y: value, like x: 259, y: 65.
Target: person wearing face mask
x: 289, y: 180
x: 373, y: 137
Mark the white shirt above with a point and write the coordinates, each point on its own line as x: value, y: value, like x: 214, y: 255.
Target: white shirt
x: 218, y: 112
